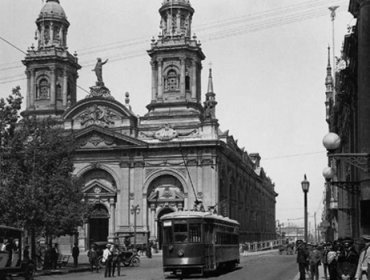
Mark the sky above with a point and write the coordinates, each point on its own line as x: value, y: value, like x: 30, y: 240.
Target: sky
x: 268, y: 60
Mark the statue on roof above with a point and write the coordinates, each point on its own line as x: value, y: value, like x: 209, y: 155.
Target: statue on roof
x: 99, y: 70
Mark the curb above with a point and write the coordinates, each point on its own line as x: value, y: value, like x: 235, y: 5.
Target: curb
x: 62, y: 271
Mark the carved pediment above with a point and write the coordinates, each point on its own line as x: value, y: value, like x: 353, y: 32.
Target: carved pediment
x: 99, y: 115
x: 166, y: 193
x: 97, y: 137
x: 96, y: 188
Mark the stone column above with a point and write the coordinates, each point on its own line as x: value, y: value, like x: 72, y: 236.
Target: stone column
x: 52, y: 86
x: 152, y: 217
x: 178, y: 22
x: 169, y: 23
x: 155, y: 224
x: 182, y: 76
x: 160, y: 78
x: 28, y: 99
x: 112, y: 220
x: 51, y: 33
x: 33, y: 88
x: 154, y: 80
x: 65, y: 87
x: 194, y: 81
x: 42, y: 35
x: 61, y: 36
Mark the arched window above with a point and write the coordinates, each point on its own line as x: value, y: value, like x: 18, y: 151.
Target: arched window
x: 44, y: 89
x: 172, y: 80
x: 59, y: 92
x: 187, y: 82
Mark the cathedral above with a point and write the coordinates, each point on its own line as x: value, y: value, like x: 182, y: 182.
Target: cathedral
x: 137, y: 168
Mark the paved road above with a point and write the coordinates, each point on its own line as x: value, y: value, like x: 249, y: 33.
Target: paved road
x: 270, y: 266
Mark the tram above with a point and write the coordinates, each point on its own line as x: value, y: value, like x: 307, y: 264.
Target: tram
x: 11, y: 259
x: 196, y: 242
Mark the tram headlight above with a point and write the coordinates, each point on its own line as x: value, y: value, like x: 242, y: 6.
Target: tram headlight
x: 180, y: 253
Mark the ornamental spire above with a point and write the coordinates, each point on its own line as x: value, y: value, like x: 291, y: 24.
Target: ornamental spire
x: 210, y: 81
x: 329, y: 78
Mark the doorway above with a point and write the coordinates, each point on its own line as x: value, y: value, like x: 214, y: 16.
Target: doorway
x: 99, y: 224
x: 159, y: 227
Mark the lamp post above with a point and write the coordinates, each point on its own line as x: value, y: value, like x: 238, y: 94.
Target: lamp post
x: 305, y: 187
x: 135, y: 210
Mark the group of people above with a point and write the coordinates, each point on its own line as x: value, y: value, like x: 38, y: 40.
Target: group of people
x: 110, y: 258
x: 340, y: 259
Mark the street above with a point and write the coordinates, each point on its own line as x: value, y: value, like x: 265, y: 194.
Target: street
x: 271, y: 266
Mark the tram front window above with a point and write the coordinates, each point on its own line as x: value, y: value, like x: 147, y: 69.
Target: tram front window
x: 194, y: 233
x: 181, y: 233
x: 168, y: 237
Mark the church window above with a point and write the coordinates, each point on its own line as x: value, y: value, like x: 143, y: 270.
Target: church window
x: 47, y: 34
x: 172, y: 80
x: 187, y: 82
x: 43, y: 89
x: 59, y: 92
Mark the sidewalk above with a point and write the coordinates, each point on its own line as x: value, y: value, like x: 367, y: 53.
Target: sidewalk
x: 321, y: 273
x: 83, y: 265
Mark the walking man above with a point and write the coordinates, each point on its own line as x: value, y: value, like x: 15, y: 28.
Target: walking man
x: 75, y: 254
x: 363, y: 267
x: 302, y: 257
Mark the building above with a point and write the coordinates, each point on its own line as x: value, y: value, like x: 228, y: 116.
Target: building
x: 348, y: 115
x: 136, y: 169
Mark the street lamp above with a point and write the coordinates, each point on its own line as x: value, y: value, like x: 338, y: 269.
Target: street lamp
x: 332, y: 142
x: 305, y: 188
x: 135, y: 210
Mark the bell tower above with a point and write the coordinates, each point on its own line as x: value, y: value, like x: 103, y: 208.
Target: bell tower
x: 176, y: 60
x: 51, y: 70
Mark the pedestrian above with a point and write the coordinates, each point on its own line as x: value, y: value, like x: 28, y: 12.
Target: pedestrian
x: 54, y: 255
x: 39, y: 254
x: 332, y: 260
x: 116, y: 260
x: 347, y: 260
x: 93, y: 259
x: 302, y: 257
x: 26, y: 253
x: 107, y: 260
x: 324, y: 259
x: 48, y: 257
x: 314, y: 262
x: 75, y: 254
x: 363, y: 267
x: 149, y: 249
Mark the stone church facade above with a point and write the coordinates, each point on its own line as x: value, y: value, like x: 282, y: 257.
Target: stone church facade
x: 136, y: 169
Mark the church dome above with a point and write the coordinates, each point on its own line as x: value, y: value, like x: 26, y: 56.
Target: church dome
x: 52, y: 8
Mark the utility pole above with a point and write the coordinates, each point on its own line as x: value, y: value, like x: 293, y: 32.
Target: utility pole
x: 314, y: 216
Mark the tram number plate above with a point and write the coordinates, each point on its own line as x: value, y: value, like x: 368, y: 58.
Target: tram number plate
x: 179, y: 272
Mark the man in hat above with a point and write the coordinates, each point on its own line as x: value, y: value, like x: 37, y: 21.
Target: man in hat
x: 347, y: 260
x: 302, y: 258
x: 107, y: 259
x: 363, y: 267
x: 314, y: 262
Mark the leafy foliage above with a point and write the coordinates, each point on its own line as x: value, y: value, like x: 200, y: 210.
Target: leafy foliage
x: 38, y: 190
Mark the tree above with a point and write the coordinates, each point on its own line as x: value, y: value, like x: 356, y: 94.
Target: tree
x: 38, y: 191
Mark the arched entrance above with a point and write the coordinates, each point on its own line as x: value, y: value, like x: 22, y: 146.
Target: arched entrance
x: 165, y: 194
x: 99, y: 224
x: 162, y: 212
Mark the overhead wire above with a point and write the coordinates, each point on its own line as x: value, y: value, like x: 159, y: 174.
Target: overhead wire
x: 261, y: 16
x: 261, y: 24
